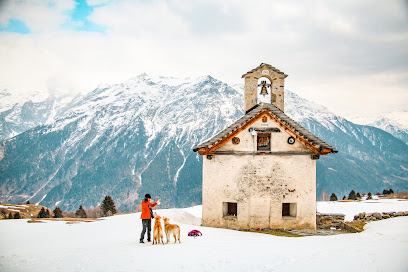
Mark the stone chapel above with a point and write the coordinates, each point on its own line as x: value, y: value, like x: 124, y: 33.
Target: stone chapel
x: 260, y: 172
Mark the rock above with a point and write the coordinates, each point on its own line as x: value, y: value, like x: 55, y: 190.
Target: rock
x: 362, y: 215
x: 392, y: 214
x: 399, y: 214
x: 327, y: 221
x: 406, y: 213
x: 377, y: 216
x: 385, y: 216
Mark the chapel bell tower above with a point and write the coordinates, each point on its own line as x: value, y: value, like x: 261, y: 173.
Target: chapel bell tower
x: 264, y: 84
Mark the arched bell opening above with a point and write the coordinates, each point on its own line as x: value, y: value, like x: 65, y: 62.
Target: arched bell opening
x: 264, y: 90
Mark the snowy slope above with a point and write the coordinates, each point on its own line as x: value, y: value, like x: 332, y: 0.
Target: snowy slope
x: 112, y: 245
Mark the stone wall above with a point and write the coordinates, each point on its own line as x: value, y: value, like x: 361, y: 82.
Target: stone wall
x: 378, y: 216
x: 329, y: 220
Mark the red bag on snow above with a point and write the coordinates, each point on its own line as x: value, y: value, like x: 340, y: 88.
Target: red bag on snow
x: 195, y: 233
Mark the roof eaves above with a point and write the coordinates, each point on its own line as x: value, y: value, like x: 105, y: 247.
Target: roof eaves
x: 295, y: 127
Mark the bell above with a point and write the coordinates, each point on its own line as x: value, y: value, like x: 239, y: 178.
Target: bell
x: 264, y: 91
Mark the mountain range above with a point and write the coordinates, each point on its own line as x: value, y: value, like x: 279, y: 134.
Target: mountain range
x: 128, y: 139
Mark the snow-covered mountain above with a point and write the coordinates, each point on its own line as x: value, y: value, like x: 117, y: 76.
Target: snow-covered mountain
x: 8, y: 99
x: 136, y: 137
x: 19, y: 113
x: 123, y: 140
x: 395, y: 123
x: 394, y: 126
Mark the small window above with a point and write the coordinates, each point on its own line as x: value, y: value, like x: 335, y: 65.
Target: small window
x: 289, y: 209
x: 230, y: 209
x: 264, y: 141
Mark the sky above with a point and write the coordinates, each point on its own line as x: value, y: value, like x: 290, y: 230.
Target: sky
x: 350, y: 56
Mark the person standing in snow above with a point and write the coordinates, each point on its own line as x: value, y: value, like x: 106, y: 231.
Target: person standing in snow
x: 146, y: 217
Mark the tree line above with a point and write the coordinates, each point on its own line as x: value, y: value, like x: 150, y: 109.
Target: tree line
x: 106, y: 208
x: 356, y: 196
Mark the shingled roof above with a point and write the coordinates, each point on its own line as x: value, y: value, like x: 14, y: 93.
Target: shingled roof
x: 299, y: 132
x: 267, y: 65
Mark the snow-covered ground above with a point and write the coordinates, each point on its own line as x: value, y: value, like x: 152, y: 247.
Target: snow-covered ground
x: 113, y: 245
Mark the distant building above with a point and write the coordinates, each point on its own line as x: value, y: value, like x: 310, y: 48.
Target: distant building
x: 260, y: 172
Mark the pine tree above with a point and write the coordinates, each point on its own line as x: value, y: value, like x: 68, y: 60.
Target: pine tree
x: 358, y: 195
x: 386, y: 192
x: 344, y: 197
x: 10, y: 216
x: 80, y: 212
x: 42, y: 213
x: 352, y: 195
x: 333, y: 197
x: 108, y: 206
x: 391, y: 191
x: 57, y: 212
x: 369, y: 196
x: 17, y: 215
x: 47, y: 213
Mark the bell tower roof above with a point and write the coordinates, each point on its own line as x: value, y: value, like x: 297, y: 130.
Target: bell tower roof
x: 265, y: 65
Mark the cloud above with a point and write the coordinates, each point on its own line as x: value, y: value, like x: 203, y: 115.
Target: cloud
x: 342, y: 54
x: 37, y: 15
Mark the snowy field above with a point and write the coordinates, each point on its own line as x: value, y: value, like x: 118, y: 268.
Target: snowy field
x: 113, y: 245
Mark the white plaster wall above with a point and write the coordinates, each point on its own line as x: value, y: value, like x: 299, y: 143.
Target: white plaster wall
x: 260, y: 184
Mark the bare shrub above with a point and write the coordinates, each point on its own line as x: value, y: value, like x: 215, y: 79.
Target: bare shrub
x: 94, y: 212
x: 69, y: 214
x: 402, y: 195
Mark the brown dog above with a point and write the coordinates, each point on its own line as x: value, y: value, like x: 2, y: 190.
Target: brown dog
x: 169, y: 229
x: 157, y: 230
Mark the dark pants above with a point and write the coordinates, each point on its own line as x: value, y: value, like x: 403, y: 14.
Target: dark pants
x: 147, y: 224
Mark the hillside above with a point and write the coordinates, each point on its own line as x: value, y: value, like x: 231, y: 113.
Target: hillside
x: 24, y: 210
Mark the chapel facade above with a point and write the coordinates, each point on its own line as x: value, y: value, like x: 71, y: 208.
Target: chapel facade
x: 260, y: 172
